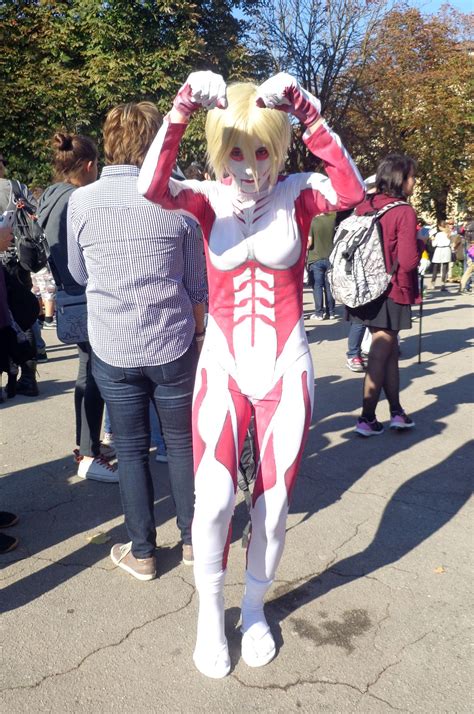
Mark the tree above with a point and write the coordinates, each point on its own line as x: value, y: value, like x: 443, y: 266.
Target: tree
x: 325, y: 45
x: 414, y: 97
x: 64, y: 63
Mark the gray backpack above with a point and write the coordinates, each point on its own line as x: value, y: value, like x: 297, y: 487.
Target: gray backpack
x: 358, y: 274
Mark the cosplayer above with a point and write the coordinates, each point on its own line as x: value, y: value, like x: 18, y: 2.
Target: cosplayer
x: 255, y: 225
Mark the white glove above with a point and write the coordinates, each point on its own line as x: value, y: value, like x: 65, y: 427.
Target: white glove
x: 423, y: 266
x: 201, y: 89
x: 283, y: 92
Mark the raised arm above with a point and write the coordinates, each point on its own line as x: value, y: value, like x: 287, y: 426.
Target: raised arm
x: 345, y: 187
x: 201, y: 90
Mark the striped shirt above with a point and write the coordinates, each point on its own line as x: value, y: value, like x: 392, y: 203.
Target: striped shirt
x: 143, y: 268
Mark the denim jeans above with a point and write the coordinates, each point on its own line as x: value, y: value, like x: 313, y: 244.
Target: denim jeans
x: 354, y: 339
x: 321, y: 287
x: 155, y: 426
x: 107, y: 424
x: 156, y: 435
x: 40, y: 343
x: 127, y: 392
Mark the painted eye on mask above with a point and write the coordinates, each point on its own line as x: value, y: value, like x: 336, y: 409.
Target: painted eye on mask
x: 262, y: 154
x: 236, y: 154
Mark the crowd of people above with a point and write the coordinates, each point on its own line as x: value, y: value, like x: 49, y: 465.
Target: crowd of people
x: 192, y: 289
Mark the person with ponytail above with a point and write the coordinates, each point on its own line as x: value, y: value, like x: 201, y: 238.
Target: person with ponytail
x: 75, y: 165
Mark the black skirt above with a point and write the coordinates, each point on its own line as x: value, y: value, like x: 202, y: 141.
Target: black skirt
x: 383, y: 313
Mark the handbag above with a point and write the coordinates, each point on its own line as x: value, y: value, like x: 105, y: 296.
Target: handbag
x: 71, y: 318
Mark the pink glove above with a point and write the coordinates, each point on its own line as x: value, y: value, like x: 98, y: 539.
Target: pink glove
x: 284, y: 93
x: 201, y: 89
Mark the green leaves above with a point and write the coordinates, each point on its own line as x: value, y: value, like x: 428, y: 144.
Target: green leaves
x: 65, y: 63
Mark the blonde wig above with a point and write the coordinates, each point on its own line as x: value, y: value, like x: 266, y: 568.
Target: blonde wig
x: 128, y: 131
x: 240, y: 125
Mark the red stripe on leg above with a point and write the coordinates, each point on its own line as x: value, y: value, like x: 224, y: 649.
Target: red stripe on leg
x: 225, y: 554
x: 199, y: 445
x: 242, y: 411
x: 292, y: 471
x: 264, y: 412
x: 225, y: 449
x: 266, y: 473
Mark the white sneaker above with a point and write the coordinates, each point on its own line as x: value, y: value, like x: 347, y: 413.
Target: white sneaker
x: 314, y: 316
x: 98, y: 469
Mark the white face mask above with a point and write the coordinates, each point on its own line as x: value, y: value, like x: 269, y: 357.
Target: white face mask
x: 241, y: 171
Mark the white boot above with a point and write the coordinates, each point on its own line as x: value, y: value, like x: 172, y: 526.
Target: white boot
x: 211, y: 654
x: 258, y: 645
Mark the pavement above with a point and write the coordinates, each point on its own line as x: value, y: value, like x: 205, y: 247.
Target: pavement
x: 370, y: 608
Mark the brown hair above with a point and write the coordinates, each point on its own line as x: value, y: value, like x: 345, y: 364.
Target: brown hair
x: 71, y: 151
x: 129, y: 130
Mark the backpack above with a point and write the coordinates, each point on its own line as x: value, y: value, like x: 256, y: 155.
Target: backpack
x: 357, y: 273
x: 30, y: 241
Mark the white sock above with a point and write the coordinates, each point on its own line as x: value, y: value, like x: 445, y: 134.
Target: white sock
x: 253, y: 619
x: 211, y: 654
x: 258, y: 645
x: 210, y: 629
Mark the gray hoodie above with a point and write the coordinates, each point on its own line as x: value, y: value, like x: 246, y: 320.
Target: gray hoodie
x: 52, y: 213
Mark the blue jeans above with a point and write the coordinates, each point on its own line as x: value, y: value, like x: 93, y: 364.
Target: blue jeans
x: 354, y: 339
x: 156, y: 435
x: 155, y: 426
x: 127, y: 391
x: 107, y: 424
x: 321, y: 287
x: 40, y: 343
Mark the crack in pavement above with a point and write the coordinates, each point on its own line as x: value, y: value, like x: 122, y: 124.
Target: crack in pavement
x: 37, y: 684
x: 410, y: 503
x: 327, y: 567
x: 379, y: 624
x: 354, y: 535
x: 389, y: 704
x: 82, y: 566
x: 290, y: 685
x: 303, y: 681
x: 50, y: 508
x: 394, y: 664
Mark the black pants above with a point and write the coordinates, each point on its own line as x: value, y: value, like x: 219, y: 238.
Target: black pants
x: 89, y: 405
x: 444, y: 272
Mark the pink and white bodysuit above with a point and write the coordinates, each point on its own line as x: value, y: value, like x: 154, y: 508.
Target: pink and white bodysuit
x: 255, y: 353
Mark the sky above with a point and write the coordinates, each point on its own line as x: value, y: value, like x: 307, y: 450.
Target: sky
x: 431, y: 7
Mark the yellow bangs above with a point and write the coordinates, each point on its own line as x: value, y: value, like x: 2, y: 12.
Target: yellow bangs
x: 248, y: 127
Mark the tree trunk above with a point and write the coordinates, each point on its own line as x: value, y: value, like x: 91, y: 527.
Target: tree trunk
x: 440, y: 203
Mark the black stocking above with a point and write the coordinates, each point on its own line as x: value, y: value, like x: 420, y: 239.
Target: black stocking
x: 382, y: 371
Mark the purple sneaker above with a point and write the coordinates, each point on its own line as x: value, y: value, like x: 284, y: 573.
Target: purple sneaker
x: 399, y: 421
x: 368, y: 428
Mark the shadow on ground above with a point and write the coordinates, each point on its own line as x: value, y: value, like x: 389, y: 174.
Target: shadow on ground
x: 62, y: 508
